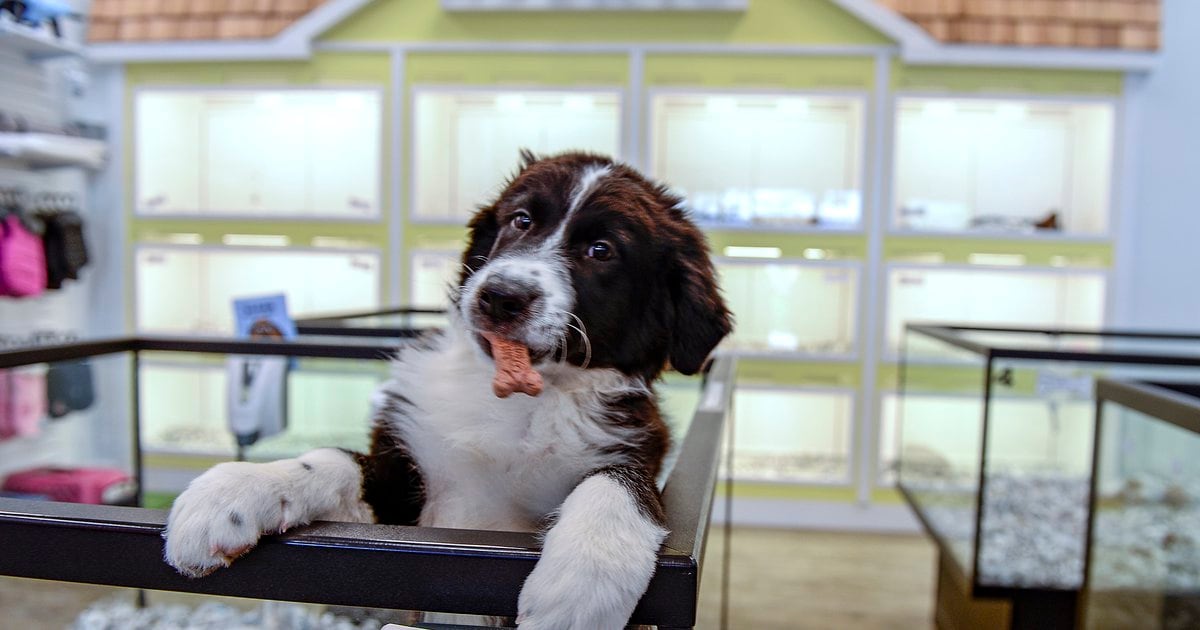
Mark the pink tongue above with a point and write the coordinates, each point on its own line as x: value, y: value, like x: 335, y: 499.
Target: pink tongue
x: 514, y: 372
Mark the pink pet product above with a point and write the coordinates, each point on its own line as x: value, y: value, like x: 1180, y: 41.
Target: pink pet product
x: 73, y: 485
x: 22, y: 403
x: 22, y: 260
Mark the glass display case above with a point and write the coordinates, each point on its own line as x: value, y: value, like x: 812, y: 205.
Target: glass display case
x: 956, y: 159
x: 432, y: 275
x: 467, y: 141
x: 790, y: 160
x: 45, y: 539
x: 987, y: 295
x: 184, y: 408
x: 269, y: 153
x: 186, y: 289
x: 1143, y: 569
x: 995, y: 437
x: 791, y: 306
x: 793, y: 435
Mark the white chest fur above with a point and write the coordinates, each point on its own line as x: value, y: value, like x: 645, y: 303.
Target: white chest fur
x: 494, y: 463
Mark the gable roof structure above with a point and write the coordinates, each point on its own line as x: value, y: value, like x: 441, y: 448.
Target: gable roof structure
x: 1081, y: 34
x: 1116, y: 24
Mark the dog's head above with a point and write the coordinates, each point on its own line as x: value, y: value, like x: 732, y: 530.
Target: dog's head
x: 582, y: 259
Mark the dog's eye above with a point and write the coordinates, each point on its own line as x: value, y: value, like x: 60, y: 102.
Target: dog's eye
x: 522, y: 221
x: 600, y: 250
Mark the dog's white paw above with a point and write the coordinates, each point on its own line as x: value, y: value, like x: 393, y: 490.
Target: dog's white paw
x: 596, y: 562
x: 556, y: 600
x: 221, y: 516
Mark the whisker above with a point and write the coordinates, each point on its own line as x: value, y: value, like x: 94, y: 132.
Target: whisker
x: 587, y: 342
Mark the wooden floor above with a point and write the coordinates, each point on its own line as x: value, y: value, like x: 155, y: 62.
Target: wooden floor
x: 780, y: 579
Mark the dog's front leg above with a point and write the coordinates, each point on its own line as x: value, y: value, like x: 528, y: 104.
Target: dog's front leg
x: 599, y: 555
x: 223, y: 512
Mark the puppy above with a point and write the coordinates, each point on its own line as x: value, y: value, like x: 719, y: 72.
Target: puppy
x: 600, y: 275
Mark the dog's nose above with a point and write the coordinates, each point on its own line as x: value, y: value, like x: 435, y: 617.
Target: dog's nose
x: 504, y: 304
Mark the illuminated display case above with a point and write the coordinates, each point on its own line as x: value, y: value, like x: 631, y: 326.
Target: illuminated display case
x: 277, y: 153
x: 789, y: 160
x: 957, y: 158
x: 995, y: 438
x: 190, y: 289
x: 790, y: 306
x: 1143, y: 569
x: 433, y: 275
x: 184, y: 408
x: 792, y: 434
x: 466, y: 141
x: 993, y: 295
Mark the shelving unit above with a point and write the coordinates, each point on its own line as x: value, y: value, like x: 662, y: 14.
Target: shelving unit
x: 45, y: 150
x: 36, y: 44
x: 798, y: 132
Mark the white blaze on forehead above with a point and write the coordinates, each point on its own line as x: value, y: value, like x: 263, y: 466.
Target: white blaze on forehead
x: 587, y: 183
x: 589, y: 179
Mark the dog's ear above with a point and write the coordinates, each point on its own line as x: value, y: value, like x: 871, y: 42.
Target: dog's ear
x: 701, y: 317
x: 528, y: 157
x: 483, y: 229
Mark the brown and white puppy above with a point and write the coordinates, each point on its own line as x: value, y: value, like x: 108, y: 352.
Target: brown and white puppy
x: 602, y: 276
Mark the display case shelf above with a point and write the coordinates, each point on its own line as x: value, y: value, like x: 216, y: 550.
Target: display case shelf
x: 799, y: 435
x: 432, y: 273
x: 37, y: 44
x: 47, y: 150
x: 792, y: 307
x: 258, y: 153
x: 992, y: 295
x: 995, y: 447
x: 1144, y: 536
x: 190, y: 289
x: 467, y: 140
x: 763, y: 160
x: 957, y: 158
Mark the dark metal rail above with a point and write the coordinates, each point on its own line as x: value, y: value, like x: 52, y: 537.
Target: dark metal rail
x: 380, y: 566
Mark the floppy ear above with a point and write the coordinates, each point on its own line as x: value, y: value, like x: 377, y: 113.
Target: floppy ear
x: 483, y: 230
x: 701, y: 318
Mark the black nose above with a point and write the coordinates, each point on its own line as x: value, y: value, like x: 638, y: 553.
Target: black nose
x: 504, y: 304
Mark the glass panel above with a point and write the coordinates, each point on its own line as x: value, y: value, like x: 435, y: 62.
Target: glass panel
x: 956, y: 160
x: 1097, y: 343
x: 940, y: 420
x: 434, y: 274
x: 790, y: 306
x: 753, y: 159
x: 191, y: 289
x: 270, y: 153
x: 65, y: 432
x: 467, y: 142
x: 1038, y: 465
x: 1145, y: 568
x: 991, y: 296
x: 185, y: 405
x: 792, y: 435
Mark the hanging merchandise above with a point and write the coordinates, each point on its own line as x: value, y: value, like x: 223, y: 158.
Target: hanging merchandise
x: 258, y: 385
x: 22, y: 403
x: 22, y: 257
x: 69, y: 387
x: 65, y: 248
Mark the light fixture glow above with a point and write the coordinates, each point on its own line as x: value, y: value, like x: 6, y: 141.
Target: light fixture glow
x: 256, y: 240
x: 1010, y: 260
x: 753, y: 252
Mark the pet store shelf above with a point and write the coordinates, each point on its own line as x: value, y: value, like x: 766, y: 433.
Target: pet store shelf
x: 46, y: 150
x: 35, y: 44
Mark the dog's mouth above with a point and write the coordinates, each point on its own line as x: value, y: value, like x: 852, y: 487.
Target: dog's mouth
x: 535, y: 354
